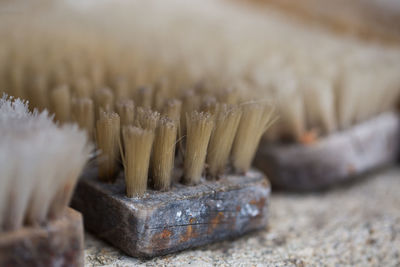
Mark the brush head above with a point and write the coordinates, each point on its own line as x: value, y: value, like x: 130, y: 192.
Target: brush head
x: 36, y: 183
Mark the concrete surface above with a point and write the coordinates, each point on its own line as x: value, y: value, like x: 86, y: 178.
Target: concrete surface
x: 357, y: 224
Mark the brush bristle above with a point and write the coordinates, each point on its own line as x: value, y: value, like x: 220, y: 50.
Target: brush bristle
x: 146, y: 118
x: 172, y: 109
x: 36, y: 184
x: 226, y: 124
x: 108, y: 140
x: 199, y: 127
x: 210, y: 105
x: 162, y: 160
x: 137, y: 149
x: 255, y: 120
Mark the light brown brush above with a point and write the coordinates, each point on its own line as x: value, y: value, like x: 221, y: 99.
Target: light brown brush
x: 162, y: 160
x: 219, y: 148
x: 107, y: 138
x: 137, y: 149
x: 255, y: 120
x: 199, y: 127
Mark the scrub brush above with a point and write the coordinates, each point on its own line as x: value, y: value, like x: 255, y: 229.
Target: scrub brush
x: 178, y: 185
x: 40, y: 163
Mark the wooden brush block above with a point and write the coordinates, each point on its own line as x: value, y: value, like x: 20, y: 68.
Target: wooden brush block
x: 167, y: 222
x: 333, y: 159
x: 60, y: 243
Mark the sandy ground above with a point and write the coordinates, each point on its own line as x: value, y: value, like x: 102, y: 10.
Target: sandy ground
x: 356, y: 224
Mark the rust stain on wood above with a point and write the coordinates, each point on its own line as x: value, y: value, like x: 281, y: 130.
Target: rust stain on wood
x: 215, y: 222
x: 162, y: 239
x: 190, y: 233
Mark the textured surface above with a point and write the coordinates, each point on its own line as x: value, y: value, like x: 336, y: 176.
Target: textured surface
x: 357, y: 224
x: 60, y: 243
x: 333, y: 159
x: 183, y: 217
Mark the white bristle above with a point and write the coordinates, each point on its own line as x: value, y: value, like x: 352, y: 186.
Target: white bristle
x: 36, y: 182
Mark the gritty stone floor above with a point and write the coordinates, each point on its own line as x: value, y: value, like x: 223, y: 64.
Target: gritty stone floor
x: 356, y: 224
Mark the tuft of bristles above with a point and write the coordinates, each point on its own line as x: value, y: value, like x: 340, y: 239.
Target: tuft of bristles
x: 256, y: 119
x: 226, y: 124
x: 162, y: 161
x: 199, y: 126
x: 108, y: 141
x: 137, y: 150
x: 146, y: 118
x: 172, y: 109
x: 36, y: 183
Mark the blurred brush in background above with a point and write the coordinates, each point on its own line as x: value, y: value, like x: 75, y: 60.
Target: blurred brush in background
x: 319, y: 81
x: 372, y: 20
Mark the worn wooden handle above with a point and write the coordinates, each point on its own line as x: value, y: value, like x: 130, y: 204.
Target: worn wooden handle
x: 333, y: 159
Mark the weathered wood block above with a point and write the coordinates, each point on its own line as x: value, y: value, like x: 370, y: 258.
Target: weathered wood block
x: 60, y: 243
x: 333, y: 159
x: 167, y: 222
